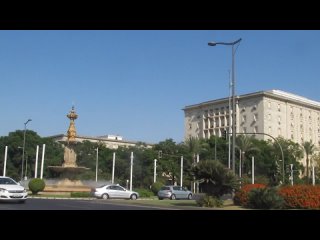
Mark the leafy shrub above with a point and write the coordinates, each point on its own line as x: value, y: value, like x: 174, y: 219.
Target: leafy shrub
x: 301, y: 196
x: 265, y: 198
x: 155, y: 187
x: 209, y: 201
x: 242, y: 196
x: 36, y: 185
x: 215, y: 179
x: 144, y: 192
x: 80, y: 194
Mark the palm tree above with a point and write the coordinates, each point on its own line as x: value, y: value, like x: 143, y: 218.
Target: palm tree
x: 195, y: 146
x: 309, y: 149
x: 215, y: 178
x: 245, y: 144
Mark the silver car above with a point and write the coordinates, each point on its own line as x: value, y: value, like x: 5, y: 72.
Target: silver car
x: 174, y: 192
x: 113, y: 191
x: 10, y: 190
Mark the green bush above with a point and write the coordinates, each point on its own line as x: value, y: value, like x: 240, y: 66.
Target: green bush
x: 209, y: 201
x: 36, y: 185
x: 80, y: 194
x: 144, y: 192
x: 155, y: 187
x: 241, y: 197
x: 265, y: 198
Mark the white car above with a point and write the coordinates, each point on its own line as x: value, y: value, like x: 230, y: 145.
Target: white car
x: 10, y: 190
x: 113, y: 191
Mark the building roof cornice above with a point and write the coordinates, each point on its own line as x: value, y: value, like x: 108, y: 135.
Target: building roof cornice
x: 276, y: 94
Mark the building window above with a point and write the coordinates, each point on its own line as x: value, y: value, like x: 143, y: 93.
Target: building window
x: 270, y: 130
x: 279, y: 119
x: 279, y: 107
x: 255, y: 130
x: 244, y: 130
x: 269, y: 117
x: 244, y: 118
x: 269, y: 104
x: 190, y: 126
x: 254, y: 108
x: 255, y: 117
x: 292, y: 116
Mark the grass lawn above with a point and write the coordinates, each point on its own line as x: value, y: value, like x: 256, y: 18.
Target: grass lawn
x: 152, y: 201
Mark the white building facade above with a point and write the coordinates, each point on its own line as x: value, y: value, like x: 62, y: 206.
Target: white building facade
x: 110, y: 141
x: 273, y: 112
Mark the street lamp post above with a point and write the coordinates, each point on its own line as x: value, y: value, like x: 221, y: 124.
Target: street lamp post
x: 24, y: 144
x: 97, y: 162
x: 233, y: 96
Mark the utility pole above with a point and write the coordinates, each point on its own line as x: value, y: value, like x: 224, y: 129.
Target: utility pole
x: 155, y: 171
x: 131, y: 166
x: 113, y: 165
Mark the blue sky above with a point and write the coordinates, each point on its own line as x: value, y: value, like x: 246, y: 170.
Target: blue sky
x: 136, y: 83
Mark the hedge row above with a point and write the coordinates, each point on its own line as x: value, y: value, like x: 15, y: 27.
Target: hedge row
x: 295, y: 197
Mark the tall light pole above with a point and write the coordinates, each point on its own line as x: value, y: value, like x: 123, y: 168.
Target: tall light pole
x: 155, y: 171
x: 113, y: 165
x: 131, y: 166
x: 24, y: 144
x: 233, y: 97
x: 97, y: 162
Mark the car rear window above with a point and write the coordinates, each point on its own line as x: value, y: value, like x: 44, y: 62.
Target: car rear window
x: 165, y: 188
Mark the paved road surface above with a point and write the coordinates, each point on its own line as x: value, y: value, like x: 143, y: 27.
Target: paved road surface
x: 70, y: 204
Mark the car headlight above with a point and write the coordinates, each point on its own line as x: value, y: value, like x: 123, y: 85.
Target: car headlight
x: 2, y: 190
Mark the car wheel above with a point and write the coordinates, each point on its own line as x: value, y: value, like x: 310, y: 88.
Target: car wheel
x: 160, y: 198
x: 105, y: 196
x: 133, y: 197
x: 190, y: 196
x: 173, y: 197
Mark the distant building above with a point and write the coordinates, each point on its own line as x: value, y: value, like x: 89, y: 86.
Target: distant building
x: 110, y: 141
x: 274, y: 112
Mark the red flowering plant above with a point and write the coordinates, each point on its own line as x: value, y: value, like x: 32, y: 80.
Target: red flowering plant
x: 241, y: 197
x: 301, y: 196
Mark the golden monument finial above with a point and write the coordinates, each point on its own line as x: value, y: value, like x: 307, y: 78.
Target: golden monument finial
x: 72, y: 133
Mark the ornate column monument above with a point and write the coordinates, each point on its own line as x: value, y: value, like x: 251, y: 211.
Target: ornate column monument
x: 69, y: 168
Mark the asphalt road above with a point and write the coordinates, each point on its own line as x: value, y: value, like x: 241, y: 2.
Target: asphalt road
x: 72, y: 204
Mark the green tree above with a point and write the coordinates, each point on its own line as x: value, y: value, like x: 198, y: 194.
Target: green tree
x: 169, y: 164
x: 215, y: 179
x: 309, y: 149
x: 245, y: 144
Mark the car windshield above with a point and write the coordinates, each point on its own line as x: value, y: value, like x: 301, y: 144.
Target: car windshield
x: 7, y: 181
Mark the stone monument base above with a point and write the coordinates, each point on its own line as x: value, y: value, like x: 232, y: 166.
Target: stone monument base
x: 67, y: 185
